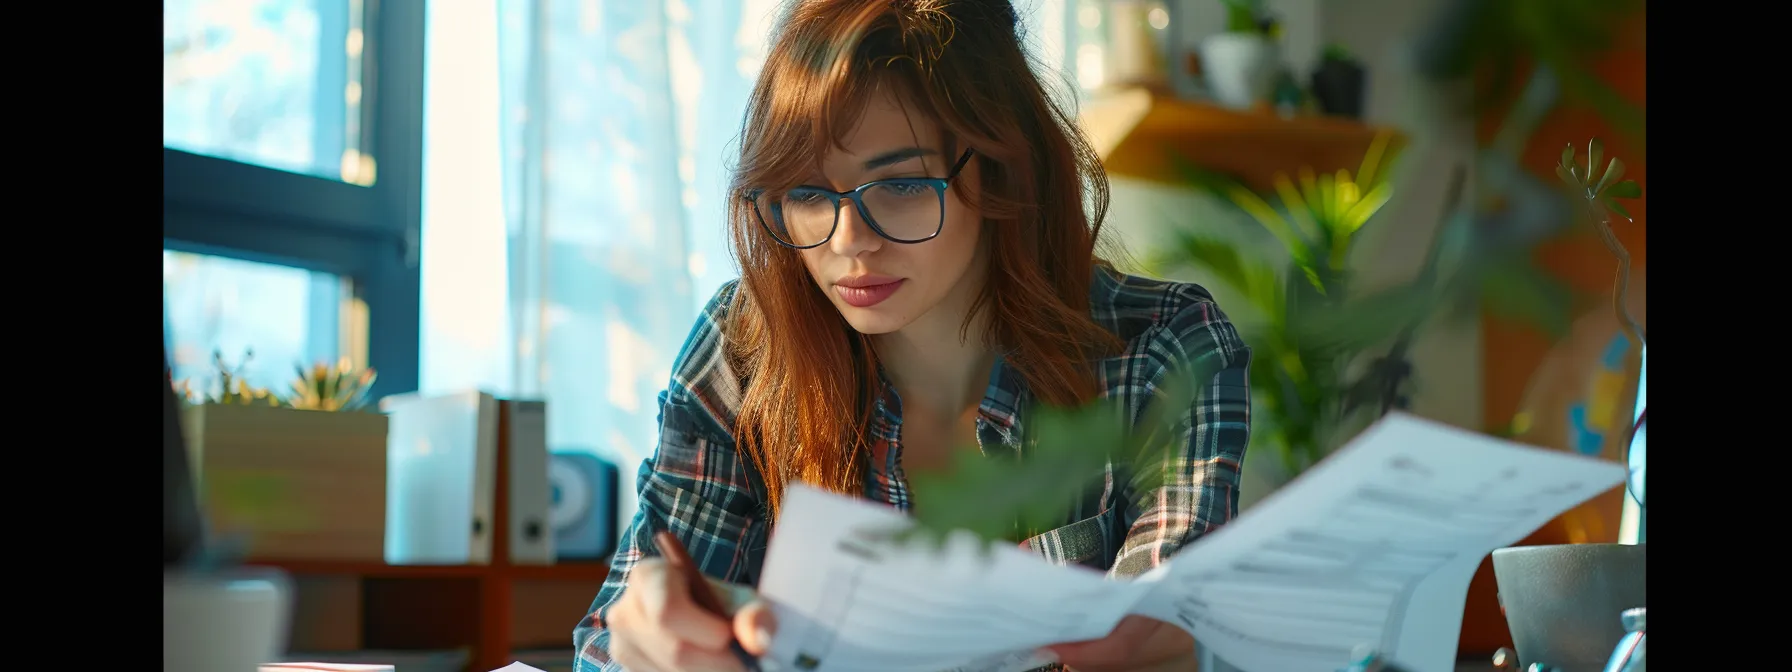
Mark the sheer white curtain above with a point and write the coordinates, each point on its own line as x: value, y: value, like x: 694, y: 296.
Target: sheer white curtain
x: 575, y: 165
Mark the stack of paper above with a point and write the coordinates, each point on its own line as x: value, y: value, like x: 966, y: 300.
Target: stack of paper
x: 1374, y: 546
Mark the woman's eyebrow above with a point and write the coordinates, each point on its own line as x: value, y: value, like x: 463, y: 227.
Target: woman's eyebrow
x: 896, y: 156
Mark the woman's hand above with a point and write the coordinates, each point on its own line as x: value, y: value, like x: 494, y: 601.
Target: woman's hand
x: 1137, y: 644
x: 657, y: 627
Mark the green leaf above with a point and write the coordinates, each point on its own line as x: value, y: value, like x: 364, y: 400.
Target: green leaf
x: 1313, y: 280
x: 1326, y: 204
x: 1625, y: 189
x: 1253, y: 279
x: 1595, y: 152
x: 1298, y: 209
x: 1226, y: 188
x: 990, y: 496
x: 1567, y: 176
x: 1365, y: 208
x: 1613, y: 172
x: 1517, y: 289
x: 1567, y: 158
x: 1369, y: 172
x: 998, y: 498
x: 1618, y: 208
x: 1267, y: 216
x: 1364, y: 322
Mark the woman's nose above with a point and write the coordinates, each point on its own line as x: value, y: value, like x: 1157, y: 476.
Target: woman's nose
x: 852, y: 234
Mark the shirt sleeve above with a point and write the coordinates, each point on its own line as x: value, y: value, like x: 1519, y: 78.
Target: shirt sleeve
x: 696, y: 485
x: 1200, y: 488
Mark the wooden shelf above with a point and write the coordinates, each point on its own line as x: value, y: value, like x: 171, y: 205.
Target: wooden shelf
x: 374, y: 570
x: 569, y: 571
x: 1138, y: 133
x: 452, y: 606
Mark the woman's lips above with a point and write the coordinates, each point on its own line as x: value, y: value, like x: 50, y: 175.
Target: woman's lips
x: 867, y: 295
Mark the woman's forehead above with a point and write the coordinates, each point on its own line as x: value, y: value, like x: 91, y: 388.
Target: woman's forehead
x: 887, y: 124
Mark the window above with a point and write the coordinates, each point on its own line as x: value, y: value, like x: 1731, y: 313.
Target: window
x: 283, y: 316
x: 276, y: 83
x: 281, y: 233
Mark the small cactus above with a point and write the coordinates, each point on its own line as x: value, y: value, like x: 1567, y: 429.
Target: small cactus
x: 331, y: 388
x: 322, y: 387
x: 234, y: 389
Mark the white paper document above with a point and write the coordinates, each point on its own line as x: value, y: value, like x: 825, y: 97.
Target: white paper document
x: 1374, y: 546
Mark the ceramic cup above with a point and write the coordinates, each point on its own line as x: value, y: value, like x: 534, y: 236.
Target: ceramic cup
x: 230, y: 621
x: 1564, y: 604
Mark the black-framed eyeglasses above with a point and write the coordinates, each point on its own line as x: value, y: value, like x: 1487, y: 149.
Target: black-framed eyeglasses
x: 901, y: 209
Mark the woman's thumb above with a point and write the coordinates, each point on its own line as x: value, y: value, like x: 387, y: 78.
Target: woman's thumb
x: 753, y: 626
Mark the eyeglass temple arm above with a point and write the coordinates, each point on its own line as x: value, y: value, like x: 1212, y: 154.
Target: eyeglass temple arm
x: 962, y: 160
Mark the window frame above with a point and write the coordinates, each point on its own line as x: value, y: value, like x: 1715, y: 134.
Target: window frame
x: 369, y: 235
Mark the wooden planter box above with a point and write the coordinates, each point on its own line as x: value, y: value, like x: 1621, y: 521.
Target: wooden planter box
x: 302, y: 485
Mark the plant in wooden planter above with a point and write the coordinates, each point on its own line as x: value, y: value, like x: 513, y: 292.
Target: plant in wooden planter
x: 294, y: 476
x: 233, y: 387
x: 326, y: 388
x: 1598, y: 191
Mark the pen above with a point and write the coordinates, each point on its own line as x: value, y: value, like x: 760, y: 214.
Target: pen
x: 701, y: 593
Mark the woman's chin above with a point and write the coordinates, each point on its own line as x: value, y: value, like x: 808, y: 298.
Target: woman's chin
x: 874, y: 320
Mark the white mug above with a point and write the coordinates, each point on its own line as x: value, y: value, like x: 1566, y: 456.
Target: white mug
x: 230, y: 621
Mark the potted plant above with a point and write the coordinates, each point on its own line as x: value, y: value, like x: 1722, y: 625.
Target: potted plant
x: 1339, y: 83
x: 1318, y: 374
x: 1599, y: 190
x: 1240, y: 64
x: 299, y: 474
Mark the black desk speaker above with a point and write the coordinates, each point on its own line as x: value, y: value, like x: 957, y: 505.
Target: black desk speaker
x: 582, y: 510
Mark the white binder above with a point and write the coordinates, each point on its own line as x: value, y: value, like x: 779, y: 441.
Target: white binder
x: 441, y: 454
x: 531, y: 535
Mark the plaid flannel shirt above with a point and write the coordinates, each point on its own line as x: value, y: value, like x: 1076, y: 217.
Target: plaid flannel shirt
x: 699, y: 487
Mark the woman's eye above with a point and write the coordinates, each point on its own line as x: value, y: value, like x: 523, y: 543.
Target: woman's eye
x: 901, y: 189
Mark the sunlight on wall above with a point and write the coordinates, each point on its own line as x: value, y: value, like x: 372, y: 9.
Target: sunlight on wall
x: 630, y: 355
x: 465, y: 289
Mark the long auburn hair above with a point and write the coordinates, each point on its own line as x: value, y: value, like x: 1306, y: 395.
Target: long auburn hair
x: 811, y: 378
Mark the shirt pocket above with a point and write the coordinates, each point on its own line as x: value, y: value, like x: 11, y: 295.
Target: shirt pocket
x: 1086, y: 542
x: 718, y: 539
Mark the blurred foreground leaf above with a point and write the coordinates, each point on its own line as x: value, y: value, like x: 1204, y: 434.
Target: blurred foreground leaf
x: 999, y: 498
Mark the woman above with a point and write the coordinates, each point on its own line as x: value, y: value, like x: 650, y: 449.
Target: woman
x: 915, y: 225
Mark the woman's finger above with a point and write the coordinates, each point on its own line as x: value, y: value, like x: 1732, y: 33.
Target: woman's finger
x: 656, y: 649
x: 1119, y: 646
x: 685, y: 657
x: 664, y: 596
x: 754, y: 626
x: 629, y: 657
